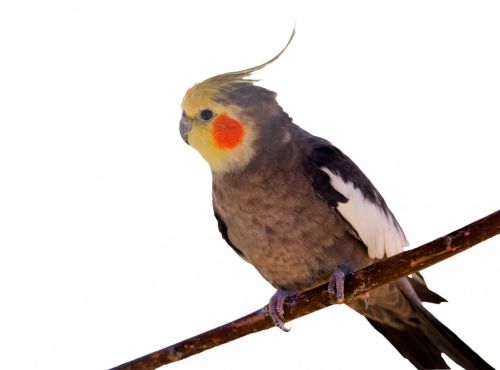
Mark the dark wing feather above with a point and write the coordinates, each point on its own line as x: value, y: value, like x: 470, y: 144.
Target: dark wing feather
x: 334, y: 159
x: 419, y: 337
x: 223, y: 231
x: 345, y: 188
x: 320, y: 180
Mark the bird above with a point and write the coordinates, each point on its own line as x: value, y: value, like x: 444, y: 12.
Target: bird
x: 304, y: 214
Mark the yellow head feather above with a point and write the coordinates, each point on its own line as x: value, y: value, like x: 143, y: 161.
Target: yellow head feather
x: 203, y: 93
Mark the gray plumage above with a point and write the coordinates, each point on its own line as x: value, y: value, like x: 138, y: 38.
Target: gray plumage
x: 280, y: 212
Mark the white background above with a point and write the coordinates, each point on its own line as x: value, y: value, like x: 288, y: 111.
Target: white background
x: 109, y: 249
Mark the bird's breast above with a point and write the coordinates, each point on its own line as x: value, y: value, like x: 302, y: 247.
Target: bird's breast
x: 281, y: 226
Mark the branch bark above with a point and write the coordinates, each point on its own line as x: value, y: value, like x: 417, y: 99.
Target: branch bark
x: 357, y: 283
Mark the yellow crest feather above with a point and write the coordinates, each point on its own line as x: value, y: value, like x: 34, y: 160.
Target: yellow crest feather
x: 202, y: 93
x: 231, y: 78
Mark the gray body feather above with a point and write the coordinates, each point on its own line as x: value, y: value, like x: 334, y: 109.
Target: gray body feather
x: 279, y: 213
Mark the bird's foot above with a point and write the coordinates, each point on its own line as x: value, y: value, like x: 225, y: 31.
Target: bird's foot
x: 275, y: 307
x: 336, y: 286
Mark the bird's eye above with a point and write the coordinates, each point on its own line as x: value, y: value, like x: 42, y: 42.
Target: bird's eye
x: 206, y: 114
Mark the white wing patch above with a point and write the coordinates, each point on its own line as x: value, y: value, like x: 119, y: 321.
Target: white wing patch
x: 376, y: 229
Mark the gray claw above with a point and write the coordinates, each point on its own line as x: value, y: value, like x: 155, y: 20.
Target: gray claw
x: 276, y: 311
x: 336, y: 286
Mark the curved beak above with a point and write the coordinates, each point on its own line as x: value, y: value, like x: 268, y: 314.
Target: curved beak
x: 184, y: 128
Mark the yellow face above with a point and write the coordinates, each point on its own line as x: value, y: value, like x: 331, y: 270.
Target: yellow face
x: 220, y: 133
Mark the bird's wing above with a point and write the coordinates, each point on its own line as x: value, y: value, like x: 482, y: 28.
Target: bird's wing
x: 223, y: 231
x: 346, y: 188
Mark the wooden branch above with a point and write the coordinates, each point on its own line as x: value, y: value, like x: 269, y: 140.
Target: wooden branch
x: 357, y: 283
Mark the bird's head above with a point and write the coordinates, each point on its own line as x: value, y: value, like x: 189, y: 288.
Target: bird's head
x: 223, y: 116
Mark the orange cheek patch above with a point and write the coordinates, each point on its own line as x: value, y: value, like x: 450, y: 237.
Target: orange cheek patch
x: 228, y: 132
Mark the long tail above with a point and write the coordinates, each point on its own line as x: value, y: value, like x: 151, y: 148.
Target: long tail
x: 423, y: 338
x: 422, y: 345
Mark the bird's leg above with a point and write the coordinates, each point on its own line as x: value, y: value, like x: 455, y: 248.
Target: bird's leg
x: 336, y: 286
x: 275, y: 307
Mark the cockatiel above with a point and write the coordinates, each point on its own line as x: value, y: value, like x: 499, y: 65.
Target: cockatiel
x: 303, y: 214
